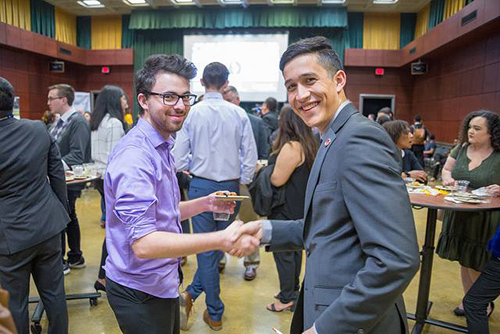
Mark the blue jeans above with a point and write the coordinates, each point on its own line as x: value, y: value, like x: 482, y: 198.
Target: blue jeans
x: 206, y: 278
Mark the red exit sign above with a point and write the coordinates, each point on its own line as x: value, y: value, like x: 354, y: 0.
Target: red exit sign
x: 105, y: 70
x: 379, y: 71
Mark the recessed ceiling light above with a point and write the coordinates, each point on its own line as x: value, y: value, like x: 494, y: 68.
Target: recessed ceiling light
x: 282, y: 1
x: 385, y: 2
x: 338, y: 2
x: 91, y: 4
x: 183, y: 2
x: 231, y: 2
x: 136, y: 3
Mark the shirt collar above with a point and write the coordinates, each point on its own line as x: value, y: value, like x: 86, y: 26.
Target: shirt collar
x: 153, y: 135
x: 67, y: 115
x: 212, y: 95
x: 402, y: 153
x: 339, y: 109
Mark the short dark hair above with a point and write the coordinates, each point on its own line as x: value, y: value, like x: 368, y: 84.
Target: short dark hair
x: 383, y: 119
x: 395, y: 129
x: 418, y: 118
x: 6, y: 97
x: 432, y: 136
x: 492, y: 121
x: 145, y: 78
x: 65, y: 90
x: 215, y: 75
x: 327, y: 57
x: 271, y: 104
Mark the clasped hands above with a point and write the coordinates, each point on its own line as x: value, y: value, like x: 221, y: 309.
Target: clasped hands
x: 242, y: 239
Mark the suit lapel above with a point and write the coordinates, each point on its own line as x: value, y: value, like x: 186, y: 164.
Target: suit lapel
x: 328, y: 141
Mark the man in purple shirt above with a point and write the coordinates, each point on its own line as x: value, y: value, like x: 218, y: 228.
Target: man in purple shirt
x: 143, y: 209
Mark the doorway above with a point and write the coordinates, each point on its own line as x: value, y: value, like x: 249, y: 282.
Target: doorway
x: 372, y: 103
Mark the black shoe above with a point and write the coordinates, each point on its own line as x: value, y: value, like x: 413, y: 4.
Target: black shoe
x: 492, y: 305
x: 250, y: 274
x: 221, y: 267
x: 66, y: 269
x: 98, y: 286
x: 78, y: 264
x: 459, y: 312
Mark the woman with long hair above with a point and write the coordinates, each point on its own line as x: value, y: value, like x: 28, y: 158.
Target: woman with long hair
x: 107, y: 127
x: 293, y: 155
x: 465, y: 235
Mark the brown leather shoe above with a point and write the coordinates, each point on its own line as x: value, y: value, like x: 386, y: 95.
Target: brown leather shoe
x: 214, y: 325
x: 186, y: 304
x: 250, y: 274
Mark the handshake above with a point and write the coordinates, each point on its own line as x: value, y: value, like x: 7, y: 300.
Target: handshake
x: 240, y: 239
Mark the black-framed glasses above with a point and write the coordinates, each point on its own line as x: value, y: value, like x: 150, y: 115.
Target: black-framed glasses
x: 171, y: 99
x: 50, y: 99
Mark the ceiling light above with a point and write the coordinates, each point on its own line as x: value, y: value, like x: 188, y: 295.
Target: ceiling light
x: 282, y: 1
x: 385, y: 2
x: 337, y: 2
x: 91, y: 4
x: 183, y: 2
x: 136, y: 3
x: 231, y: 2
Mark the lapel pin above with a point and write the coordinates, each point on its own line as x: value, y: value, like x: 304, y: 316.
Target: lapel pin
x: 328, y: 141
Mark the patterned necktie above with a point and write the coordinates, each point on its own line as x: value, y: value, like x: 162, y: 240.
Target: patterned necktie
x: 56, y: 130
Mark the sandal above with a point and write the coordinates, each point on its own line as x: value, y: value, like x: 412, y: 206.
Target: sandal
x: 272, y: 307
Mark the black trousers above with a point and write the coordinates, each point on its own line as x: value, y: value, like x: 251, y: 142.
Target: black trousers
x: 72, y: 230
x: 288, y: 265
x: 139, y: 312
x: 485, y: 290
x: 419, y: 153
x: 43, y: 261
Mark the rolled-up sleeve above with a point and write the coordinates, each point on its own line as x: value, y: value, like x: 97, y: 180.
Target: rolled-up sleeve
x: 133, y: 186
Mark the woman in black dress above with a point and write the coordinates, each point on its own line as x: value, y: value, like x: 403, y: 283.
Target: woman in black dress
x: 293, y: 154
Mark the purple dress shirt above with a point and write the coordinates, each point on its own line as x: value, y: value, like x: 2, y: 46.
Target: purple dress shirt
x: 142, y: 196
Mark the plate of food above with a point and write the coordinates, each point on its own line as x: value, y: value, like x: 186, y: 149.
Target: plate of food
x: 229, y: 196
x: 70, y: 176
x: 446, y: 188
x: 415, y: 184
x: 468, y: 200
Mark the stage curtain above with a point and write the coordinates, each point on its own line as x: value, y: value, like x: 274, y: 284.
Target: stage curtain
x: 422, y: 25
x: 338, y: 38
x: 65, y: 27
x: 255, y: 17
x: 106, y: 32
x: 83, y: 32
x: 42, y: 18
x: 408, y: 24
x: 451, y: 7
x: 16, y: 13
x: 127, y: 34
x: 436, y: 13
x: 381, y: 31
x: 355, y: 30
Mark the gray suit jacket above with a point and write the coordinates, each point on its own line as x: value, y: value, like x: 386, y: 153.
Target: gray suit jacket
x: 358, y: 233
x: 33, y: 202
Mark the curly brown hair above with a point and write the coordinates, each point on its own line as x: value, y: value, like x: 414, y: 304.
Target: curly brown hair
x: 492, y: 121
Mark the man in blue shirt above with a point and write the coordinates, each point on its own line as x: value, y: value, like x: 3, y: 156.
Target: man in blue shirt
x: 217, y: 147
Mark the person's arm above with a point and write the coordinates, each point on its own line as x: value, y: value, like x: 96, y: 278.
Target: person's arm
x: 116, y: 132
x: 385, y: 230
x: 416, y: 169
x: 288, y: 159
x: 248, y: 152
x: 196, y: 206
x: 79, y: 139
x: 182, y: 147
x: 446, y: 172
x: 55, y: 172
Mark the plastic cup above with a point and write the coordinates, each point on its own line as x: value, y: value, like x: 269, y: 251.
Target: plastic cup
x: 462, y: 185
x: 221, y: 216
x: 78, y: 171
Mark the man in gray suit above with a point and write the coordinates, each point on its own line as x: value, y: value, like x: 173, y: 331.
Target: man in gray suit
x: 358, y: 230
x: 33, y: 212
x: 72, y: 135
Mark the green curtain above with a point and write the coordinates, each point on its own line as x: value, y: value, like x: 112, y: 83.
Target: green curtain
x: 256, y: 17
x: 43, y: 18
x: 338, y: 37
x: 355, y: 30
x: 83, y: 38
x: 436, y: 13
x: 148, y: 42
x: 127, y: 34
x: 468, y: 2
x: 408, y: 24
